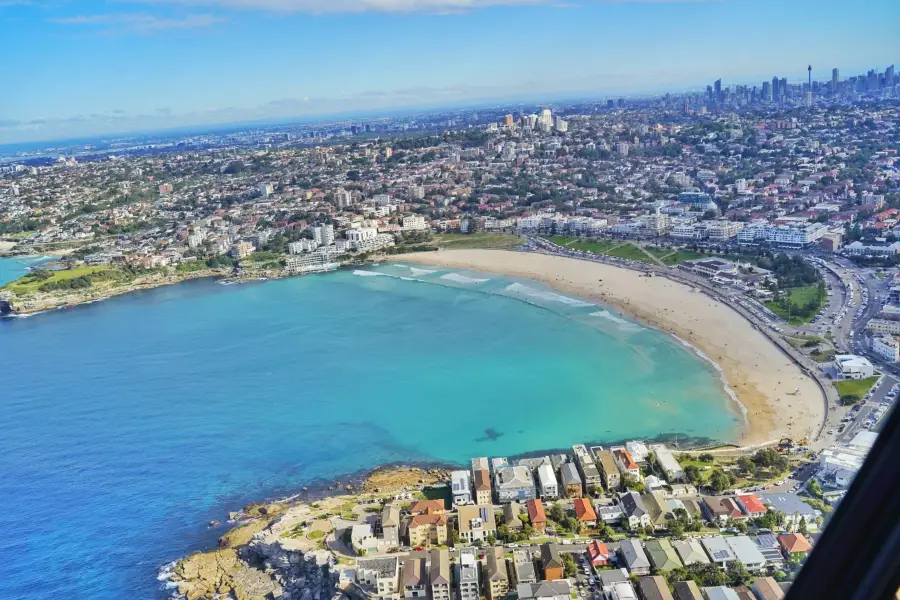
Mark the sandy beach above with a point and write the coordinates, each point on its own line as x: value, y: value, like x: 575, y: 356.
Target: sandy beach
x: 780, y: 401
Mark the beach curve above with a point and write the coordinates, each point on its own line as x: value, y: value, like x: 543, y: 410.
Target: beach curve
x: 778, y: 399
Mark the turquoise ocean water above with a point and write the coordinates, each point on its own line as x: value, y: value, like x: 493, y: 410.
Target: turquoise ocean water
x: 130, y: 423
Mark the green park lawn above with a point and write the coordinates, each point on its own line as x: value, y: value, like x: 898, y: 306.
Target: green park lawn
x: 799, y: 297
x: 855, y: 387
x: 28, y: 285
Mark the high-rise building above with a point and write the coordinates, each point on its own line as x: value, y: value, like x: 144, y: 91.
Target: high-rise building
x: 889, y: 76
x: 776, y: 93
x: 835, y: 77
x: 766, y: 91
x: 717, y: 87
x: 323, y: 234
x: 508, y: 120
x: 546, y: 118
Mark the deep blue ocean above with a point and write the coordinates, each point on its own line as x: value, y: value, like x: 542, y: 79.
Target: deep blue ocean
x: 129, y: 424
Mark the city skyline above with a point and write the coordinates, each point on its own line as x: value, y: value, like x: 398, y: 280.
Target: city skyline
x: 98, y: 69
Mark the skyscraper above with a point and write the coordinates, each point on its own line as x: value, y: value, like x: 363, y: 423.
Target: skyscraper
x: 718, y: 90
x: 809, y: 87
x: 766, y: 91
x: 889, y: 76
x: 776, y: 93
x: 835, y: 77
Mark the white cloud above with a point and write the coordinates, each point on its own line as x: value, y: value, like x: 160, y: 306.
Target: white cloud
x: 394, y: 6
x: 139, y: 22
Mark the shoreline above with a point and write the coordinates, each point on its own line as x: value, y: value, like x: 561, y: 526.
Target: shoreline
x: 777, y: 398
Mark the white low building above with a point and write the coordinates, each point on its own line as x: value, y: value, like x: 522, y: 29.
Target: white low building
x: 840, y: 464
x: 850, y: 366
x: 886, y: 347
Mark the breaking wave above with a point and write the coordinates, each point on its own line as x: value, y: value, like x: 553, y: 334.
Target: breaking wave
x: 518, y: 288
x: 457, y: 278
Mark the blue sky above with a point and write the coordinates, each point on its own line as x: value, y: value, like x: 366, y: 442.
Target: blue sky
x: 74, y: 68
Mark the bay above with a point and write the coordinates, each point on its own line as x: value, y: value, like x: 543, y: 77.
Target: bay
x: 130, y: 423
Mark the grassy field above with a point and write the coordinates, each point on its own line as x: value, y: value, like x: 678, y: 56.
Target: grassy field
x: 630, y: 252
x: 28, y: 285
x: 585, y: 245
x: 855, y: 387
x: 460, y: 241
x: 680, y: 256
x: 799, y: 297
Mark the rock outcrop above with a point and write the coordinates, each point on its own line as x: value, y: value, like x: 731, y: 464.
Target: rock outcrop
x: 258, y: 571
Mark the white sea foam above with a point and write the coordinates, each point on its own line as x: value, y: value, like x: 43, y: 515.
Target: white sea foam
x: 362, y: 273
x: 623, y: 324
x: 417, y: 271
x: 518, y: 288
x: 728, y: 391
x: 457, y: 278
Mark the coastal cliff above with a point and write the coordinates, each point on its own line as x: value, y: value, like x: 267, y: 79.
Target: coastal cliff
x: 291, y: 549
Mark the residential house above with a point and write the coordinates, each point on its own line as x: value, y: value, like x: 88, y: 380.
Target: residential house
x: 794, y: 509
x: 428, y: 507
x: 662, y: 555
x: 667, y: 462
x: 690, y: 552
x: 379, y: 576
x: 390, y: 526
x: 766, y: 588
x: 523, y: 567
x: 483, y: 491
x: 496, y: 579
x: 544, y: 590
x: 634, y: 509
x: 461, y: 488
x: 606, y: 463
x: 362, y: 539
x: 747, y: 552
x: 686, y: 590
x: 609, y: 514
x: 514, y: 483
x: 718, y: 550
x: 721, y: 508
x: 481, y: 464
x: 626, y: 465
x: 769, y: 547
x: 752, y: 506
x: 551, y: 562
x: 794, y: 546
x: 467, y: 576
x: 598, y: 553
x: 720, y: 592
x: 549, y: 486
x: 633, y: 556
x: 439, y: 574
x: 476, y: 522
x: 615, y: 585
x: 584, y: 512
x: 657, y: 508
x: 589, y: 472
x: 511, y: 518
x: 415, y: 578
x: 744, y: 593
x: 427, y: 529
x: 536, y: 515
x: 571, y: 481
x: 654, y: 588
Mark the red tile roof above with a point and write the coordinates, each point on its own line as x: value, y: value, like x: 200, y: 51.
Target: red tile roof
x: 794, y: 542
x: 584, y: 511
x: 753, y: 504
x: 536, y: 511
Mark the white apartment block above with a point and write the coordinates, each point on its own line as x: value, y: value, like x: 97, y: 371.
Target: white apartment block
x: 887, y: 348
x: 414, y: 223
x: 302, y: 246
x: 791, y: 236
x: 324, y: 234
x: 723, y: 230
x: 884, y: 326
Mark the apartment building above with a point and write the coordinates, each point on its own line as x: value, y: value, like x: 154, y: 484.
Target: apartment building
x: 496, y: 578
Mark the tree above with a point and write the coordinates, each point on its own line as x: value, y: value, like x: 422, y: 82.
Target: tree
x: 557, y: 514
x: 719, y: 481
x: 802, y: 527
x: 746, y: 466
x: 737, y: 574
x: 569, y: 567
x: 706, y: 457
x: 491, y: 540
x: 815, y: 489
x: 706, y: 575
x: 692, y: 472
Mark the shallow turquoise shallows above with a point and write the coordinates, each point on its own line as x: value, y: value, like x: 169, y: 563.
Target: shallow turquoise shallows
x: 130, y: 423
